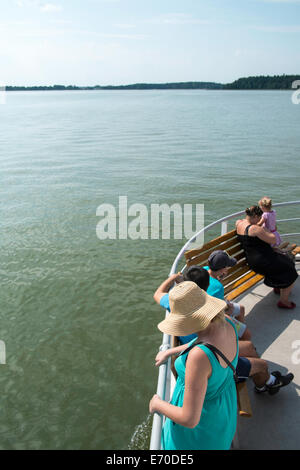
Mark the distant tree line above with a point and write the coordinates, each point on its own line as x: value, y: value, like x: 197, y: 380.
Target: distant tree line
x: 46, y: 88
x: 276, y: 82
x: 167, y: 86
x: 136, y: 86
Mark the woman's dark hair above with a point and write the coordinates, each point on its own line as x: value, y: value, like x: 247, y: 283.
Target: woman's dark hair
x: 254, y: 211
x: 199, y: 276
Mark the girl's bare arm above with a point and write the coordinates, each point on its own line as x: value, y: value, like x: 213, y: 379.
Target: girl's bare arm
x: 163, y: 356
x: 198, y: 369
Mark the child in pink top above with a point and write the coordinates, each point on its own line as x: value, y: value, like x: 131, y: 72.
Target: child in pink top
x: 268, y: 220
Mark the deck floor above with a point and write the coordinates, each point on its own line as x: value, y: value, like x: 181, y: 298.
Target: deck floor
x: 276, y: 419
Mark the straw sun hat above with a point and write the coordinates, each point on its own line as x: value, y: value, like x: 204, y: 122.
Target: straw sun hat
x: 191, y: 310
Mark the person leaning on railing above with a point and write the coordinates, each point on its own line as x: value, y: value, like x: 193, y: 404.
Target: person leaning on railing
x: 203, y: 410
x: 278, y: 269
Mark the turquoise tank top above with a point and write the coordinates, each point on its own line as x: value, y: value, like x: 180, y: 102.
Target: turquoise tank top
x: 217, y: 425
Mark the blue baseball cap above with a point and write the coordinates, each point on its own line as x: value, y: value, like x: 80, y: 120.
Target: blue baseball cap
x: 219, y: 260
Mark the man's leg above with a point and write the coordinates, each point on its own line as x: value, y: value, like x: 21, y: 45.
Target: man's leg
x: 259, y: 371
x: 247, y: 349
x: 264, y: 380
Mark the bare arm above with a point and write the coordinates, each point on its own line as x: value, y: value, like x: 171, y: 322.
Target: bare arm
x: 198, y: 369
x: 163, y: 356
x: 261, y: 222
x: 263, y: 234
x: 164, y: 288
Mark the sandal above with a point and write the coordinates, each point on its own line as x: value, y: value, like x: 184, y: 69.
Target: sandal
x: 281, y: 305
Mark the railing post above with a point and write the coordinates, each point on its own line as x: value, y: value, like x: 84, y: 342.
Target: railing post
x: 224, y: 228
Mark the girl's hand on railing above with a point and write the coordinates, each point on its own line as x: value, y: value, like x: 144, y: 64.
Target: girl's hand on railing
x: 162, y: 357
x: 153, y: 404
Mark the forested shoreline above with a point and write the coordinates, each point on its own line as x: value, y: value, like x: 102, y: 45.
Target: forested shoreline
x: 263, y: 82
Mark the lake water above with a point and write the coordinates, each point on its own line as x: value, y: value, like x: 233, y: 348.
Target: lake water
x: 77, y: 314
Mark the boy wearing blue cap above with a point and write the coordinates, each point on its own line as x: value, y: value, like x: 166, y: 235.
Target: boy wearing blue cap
x: 218, y: 264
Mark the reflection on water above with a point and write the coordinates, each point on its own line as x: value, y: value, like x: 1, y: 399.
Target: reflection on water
x: 141, y: 437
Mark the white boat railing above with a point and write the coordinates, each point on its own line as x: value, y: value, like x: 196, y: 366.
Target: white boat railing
x: 164, y: 375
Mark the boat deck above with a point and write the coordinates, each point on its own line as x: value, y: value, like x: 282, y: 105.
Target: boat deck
x: 276, y: 419
x: 276, y: 335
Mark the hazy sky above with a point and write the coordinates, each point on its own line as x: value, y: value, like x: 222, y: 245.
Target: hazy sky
x: 89, y: 42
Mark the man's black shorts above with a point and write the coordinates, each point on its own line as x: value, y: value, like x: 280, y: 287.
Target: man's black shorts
x: 243, y: 368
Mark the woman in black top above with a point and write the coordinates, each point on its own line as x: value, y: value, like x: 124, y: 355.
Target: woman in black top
x: 278, y: 269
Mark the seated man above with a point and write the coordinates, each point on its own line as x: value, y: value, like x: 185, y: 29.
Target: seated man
x: 218, y: 264
x: 206, y: 279
x: 251, y: 365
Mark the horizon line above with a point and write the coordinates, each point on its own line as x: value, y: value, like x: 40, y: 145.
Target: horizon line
x: 188, y: 82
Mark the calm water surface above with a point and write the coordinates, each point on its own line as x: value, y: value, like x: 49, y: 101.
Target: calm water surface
x: 77, y: 314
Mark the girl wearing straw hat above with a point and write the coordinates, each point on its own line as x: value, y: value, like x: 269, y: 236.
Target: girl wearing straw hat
x: 202, y: 414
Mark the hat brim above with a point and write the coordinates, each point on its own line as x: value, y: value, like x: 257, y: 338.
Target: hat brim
x: 182, y: 325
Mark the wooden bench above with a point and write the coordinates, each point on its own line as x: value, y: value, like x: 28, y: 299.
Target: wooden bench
x: 239, y: 279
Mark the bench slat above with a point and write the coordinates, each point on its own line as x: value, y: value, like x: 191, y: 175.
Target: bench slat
x: 244, y: 287
x: 239, y: 256
x: 235, y: 250
x: 233, y: 244
x: 251, y: 274
x: 245, y: 409
x: 234, y: 285
x: 217, y: 241
x: 234, y: 276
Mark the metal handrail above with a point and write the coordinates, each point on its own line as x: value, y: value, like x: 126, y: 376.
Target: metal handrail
x: 163, y: 384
